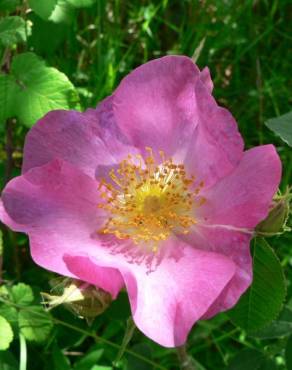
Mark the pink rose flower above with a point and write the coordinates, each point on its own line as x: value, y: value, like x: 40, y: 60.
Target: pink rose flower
x: 152, y: 191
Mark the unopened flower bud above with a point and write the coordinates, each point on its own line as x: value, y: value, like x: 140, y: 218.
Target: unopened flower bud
x: 85, y: 300
x: 276, y: 220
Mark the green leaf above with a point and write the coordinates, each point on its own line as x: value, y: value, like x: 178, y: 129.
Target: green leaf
x: 58, y: 11
x: 268, y: 364
x: 197, y: 364
x: 7, y: 93
x: 99, y: 367
x: 81, y: 3
x: 12, y: 30
x: 35, y: 323
x: 60, y: 361
x: 278, y: 328
x: 62, y: 13
x: 135, y: 363
x: 6, y: 336
x: 46, y: 36
x: 9, y: 5
x: 288, y: 353
x: 8, y: 361
x: 282, y: 126
x: 43, y: 8
x: 119, y: 309
x: 10, y: 314
x: 89, y: 359
x: 4, y: 291
x: 22, y: 294
x: 41, y: 88
x: 264, y: 299
x: 247, y: 359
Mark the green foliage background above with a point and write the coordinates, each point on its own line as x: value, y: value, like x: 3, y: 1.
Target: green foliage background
x: 71, y: 54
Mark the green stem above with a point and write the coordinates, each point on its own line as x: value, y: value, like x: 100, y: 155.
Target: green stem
x: 130, y: 329
x: 23, y: 352
x: 185, y: 361
x: 1, y: 254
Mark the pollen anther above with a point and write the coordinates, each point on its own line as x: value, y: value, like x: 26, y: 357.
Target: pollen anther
x: 148, y: 200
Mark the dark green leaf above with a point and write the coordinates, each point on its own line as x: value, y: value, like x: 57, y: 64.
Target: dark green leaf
x: 60, y: 361
x: 278, y: 328
x: 7, y: 99
x: 263, y: 301
x: 8, y: 5
x: 282, y: 126
x: 63, y: 12
x: 248, y: 359
x: 34, y: 323
x: 89, y: 359
x: 197, y: 364
x: 43, y: 8
x: 46, y: 37
x: 68, y: 337
x: 41, y: 88
x: 6, y: 336
x: 268, y: 364
x: 134, y: 363
x: 120, y: 308
x: 12, y: 30
x: 113, y: 328
x: 288, y: 353
x: 8, y: 361
x: 82, y: 3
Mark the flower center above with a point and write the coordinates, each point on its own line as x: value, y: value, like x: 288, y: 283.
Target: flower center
x: 148, y: 201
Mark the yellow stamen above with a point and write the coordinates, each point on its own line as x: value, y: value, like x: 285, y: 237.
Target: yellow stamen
x: 149, y: 201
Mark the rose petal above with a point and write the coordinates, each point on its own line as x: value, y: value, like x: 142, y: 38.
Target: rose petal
x: 243, y: 198
x: 56, y: 205
x: 234, y: 206
x: 216, y: 146
x: 166, y: 302
x: 89, y: 140
x: 236, y: 246
x: 154, y: 105
x: 166, y: 104
x: 206, y: 79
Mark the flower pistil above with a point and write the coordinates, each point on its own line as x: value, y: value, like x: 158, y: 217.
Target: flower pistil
x: 148, y: 201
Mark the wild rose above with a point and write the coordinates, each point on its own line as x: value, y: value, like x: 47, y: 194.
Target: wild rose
x: 152, y: 191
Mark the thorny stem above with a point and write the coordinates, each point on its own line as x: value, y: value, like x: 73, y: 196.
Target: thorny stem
x: 6, y: 61
x: 185, y: 361
x: 9, y: 149
x: 5, y: 68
